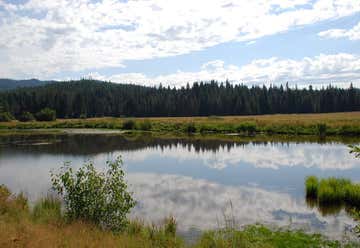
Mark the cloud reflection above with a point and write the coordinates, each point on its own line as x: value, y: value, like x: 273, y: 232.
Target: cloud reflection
x: 273, y: 156
x: 202, y: 204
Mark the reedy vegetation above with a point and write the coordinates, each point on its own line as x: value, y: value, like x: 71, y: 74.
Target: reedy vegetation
x: 300, y: 124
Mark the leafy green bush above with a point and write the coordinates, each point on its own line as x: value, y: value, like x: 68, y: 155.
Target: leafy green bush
x: 248, y: 127
x: 46, y: 114
x: 129, y: 125
x: 97, y: 197
x: 190, y: 127
x: 355, y: 150
x: 26, y: 116
x: 321, y: 129
x: 6, y: 116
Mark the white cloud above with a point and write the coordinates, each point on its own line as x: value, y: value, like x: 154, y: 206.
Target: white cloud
x: 43, y: 37
x: 339, y: 68
x: 351, y: 34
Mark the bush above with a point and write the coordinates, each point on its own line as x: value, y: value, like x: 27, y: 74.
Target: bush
x: 321, y: 129
x: 190, y: 127
x: 97, y: 197
x: 145, y: 125
x: 248, y: 127
x: 46, y: 114
x: 6, y: 116
x: 26, y: 116
x: 129, y: 124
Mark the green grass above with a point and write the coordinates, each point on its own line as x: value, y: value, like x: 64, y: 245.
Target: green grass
x: 290, y: 124
x: 47, y: 210
x: 261, y: 236
x: 333, y: 191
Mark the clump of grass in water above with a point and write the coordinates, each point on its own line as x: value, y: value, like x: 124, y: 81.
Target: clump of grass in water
x: 311, y: 184
x: 333, y: 191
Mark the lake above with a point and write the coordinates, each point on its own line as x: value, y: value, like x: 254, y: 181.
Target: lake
x: 200, y: 182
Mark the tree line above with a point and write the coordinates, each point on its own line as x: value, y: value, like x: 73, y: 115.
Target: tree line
x: 91, y: 98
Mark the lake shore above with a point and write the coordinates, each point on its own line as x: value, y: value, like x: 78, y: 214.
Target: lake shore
x: 327, y: 124
x: 43, y: 225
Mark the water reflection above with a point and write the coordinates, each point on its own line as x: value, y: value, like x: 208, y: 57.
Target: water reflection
x: 195, y: 179
x: 202, y: 204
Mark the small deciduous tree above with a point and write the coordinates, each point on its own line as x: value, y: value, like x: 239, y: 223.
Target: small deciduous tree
x: 26, y: 116
x: 6, y: 116
x: 46, y: 114
x: 98, y: 197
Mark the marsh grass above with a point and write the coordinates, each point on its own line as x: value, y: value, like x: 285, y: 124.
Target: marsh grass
x: 291, y: 124
x: 48, y: 210
x: 332, y: 194
x: 261, y: 236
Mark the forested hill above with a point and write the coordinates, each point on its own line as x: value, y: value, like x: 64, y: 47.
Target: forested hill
x: 93, y: 98
x: 8, y: 84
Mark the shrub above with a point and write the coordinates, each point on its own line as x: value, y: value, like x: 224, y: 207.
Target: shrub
x: 321, y: 129
x: 83, y: 116
x: 145, y: 125
x: 190, y: 127
x: 26, y: 116
x: 97, y: 197
x: 355, y: 150
x: 248, y: 127
x: 129, y: 124
x: 6, y: 116
x: 311, y: 185
x: 46, y: 114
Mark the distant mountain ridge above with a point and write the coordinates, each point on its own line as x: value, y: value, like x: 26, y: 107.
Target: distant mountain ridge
x: 9, y: 84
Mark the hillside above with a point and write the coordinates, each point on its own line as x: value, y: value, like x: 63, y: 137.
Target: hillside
x: 8, y: 84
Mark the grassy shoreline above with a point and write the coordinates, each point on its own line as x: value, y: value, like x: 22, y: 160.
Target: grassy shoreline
x: 327, y: 124
x: 45, y: 226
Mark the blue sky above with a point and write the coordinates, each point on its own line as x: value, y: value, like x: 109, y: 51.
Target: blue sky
x: 175, y: 42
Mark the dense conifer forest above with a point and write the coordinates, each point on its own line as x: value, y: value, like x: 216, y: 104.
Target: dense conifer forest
x: 92, y: 98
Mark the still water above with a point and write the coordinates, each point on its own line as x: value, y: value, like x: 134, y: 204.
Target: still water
x: 197, y: 181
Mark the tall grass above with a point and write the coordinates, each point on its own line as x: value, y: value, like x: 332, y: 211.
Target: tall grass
x: 47, y: 210
x: 294, y: 124
x: 333, y: 191
x: 311, y: 184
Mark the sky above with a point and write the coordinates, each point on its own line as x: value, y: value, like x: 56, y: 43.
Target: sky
x: 173, y: 42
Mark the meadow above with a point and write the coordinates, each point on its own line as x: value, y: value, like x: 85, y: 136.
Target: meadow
x: 327, y: 124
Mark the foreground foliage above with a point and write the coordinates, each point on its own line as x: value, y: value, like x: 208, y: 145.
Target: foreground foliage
x: 45, y: 226
x: 96, y: 197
